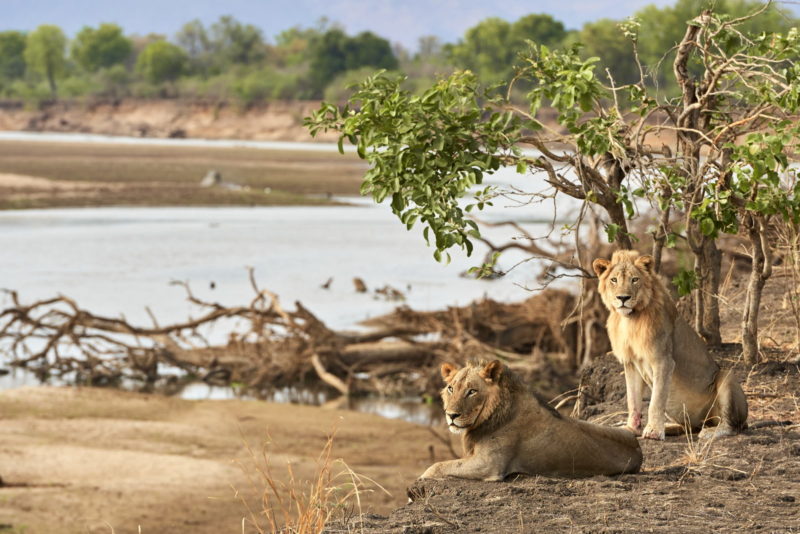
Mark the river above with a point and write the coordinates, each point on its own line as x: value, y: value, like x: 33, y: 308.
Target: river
x: 120, y: 261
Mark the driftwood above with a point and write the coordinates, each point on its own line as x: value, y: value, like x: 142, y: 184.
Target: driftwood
x: 269, y: 346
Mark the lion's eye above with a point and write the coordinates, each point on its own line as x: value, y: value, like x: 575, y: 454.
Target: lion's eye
x: 449, y: 389
x: 613, y: 280
x: 634, y: 279
x: 471, y: 392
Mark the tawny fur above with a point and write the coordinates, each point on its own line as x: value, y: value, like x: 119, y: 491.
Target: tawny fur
x: 507, y: 430
x: 657, y: 347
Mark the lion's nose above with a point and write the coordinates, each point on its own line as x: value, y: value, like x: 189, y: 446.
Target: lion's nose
x: 453, y: 416
x: 623, y: 298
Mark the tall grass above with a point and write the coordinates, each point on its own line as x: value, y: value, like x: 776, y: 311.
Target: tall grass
x: 297, y: 506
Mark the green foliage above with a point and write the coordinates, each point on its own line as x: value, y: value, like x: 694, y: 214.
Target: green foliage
x: 603, y: 39
x: 569, y: 83
x: 161, y: 62
x: 234, y: 43
x: 425, y: 152
x: 194, y: 39
x: 491, y: 48
x: 263, y: 85
x: 12, y: 56
x: 685, y: 282
x: 44, y: 53
x: 663, y: 27
x: 343, y: 86
x: 104, y: 47
x: 335, y: 52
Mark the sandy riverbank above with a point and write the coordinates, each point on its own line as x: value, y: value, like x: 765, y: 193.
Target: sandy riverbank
x: 35, y: 174
x: 92, y: 460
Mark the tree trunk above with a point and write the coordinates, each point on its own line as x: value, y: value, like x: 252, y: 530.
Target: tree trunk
x: 615, y: 209
x: 51, y: 79
x: 760, y: 272
x: 708, y: 264
x: 660, y: 233
x: 710, y: 286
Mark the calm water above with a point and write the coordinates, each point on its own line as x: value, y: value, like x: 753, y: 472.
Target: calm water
x: 118, y: 261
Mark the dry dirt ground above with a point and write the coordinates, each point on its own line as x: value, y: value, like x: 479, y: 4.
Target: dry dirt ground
x: 41, y: 175
x: 746, y: 483
x: 99, y: 461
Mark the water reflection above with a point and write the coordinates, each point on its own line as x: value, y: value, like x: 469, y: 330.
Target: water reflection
x: 412, y: 409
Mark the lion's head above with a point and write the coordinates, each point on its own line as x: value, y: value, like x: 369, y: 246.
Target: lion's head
x: 626, y: 282
x: 471, y: 394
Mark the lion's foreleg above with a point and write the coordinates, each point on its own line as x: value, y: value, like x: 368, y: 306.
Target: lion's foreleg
x: 634, y: 384
x: 662, y: 368
x: 474, y: 467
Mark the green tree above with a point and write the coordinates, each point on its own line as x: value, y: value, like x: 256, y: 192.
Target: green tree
x: 44, y: 54
x: 604, y: 39
x: 194, y: 39
x: 492, y: 47
x: 484, y: 50
x: 335, y: 52
x: 161, y: 61
x: 734, y: 119
x: 368, y: 50
x: 661, y: 29
x: 235, y: 43
x: 294, y: 46
x: 12, y: 55
x: 542, y: 29
x: 103, y: 47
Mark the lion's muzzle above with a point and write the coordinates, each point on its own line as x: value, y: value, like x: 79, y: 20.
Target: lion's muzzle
x: 621, y: 306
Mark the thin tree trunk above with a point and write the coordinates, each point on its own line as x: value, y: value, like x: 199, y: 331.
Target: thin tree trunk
x: 760, y: 272
x: 707, y: 266
x: 660, y: 233
x: 710, y: 286
x: 615, y: 209
x: 52, y: 81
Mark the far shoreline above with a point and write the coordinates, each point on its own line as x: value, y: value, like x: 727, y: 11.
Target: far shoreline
x: 73, y: 170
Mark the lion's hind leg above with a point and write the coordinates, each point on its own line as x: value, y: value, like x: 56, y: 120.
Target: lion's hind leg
x: 729, y: 411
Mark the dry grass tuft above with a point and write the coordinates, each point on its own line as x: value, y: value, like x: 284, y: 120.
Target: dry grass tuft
x: 297, y: 506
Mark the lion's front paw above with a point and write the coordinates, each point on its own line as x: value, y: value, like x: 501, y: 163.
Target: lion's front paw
x: 651, y: 432
x: 429, y: 472
x: 634, y: 424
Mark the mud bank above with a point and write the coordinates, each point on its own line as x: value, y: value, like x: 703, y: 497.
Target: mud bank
x: 277, y: 121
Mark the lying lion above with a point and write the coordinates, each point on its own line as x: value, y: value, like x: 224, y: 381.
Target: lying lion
x: 507, y: 430
x: 658, y: 347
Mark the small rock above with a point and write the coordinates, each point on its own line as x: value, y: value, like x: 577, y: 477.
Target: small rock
x: 359, y: 284
x: 211, y: 179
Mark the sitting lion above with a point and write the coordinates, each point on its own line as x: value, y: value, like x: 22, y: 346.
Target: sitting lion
x: 506, y: 430
x: 658, y: 347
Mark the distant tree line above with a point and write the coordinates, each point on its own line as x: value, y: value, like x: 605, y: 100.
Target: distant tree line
x: 233, y: 61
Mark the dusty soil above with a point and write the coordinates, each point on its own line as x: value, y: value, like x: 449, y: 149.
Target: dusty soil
x: 166, y: 118
x: 746, y: 483
x: 92, y: 460
x: 38, y: 175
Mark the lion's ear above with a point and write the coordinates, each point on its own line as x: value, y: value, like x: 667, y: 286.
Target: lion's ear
x: 645, y: 263
x: 600, y: 266
x: 492, y: 371
x: 448, y: 370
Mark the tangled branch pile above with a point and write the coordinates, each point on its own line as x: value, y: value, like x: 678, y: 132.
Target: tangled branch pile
x: 269, y: 346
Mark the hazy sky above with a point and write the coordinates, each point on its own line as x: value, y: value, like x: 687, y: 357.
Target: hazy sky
x: 402, y: 21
